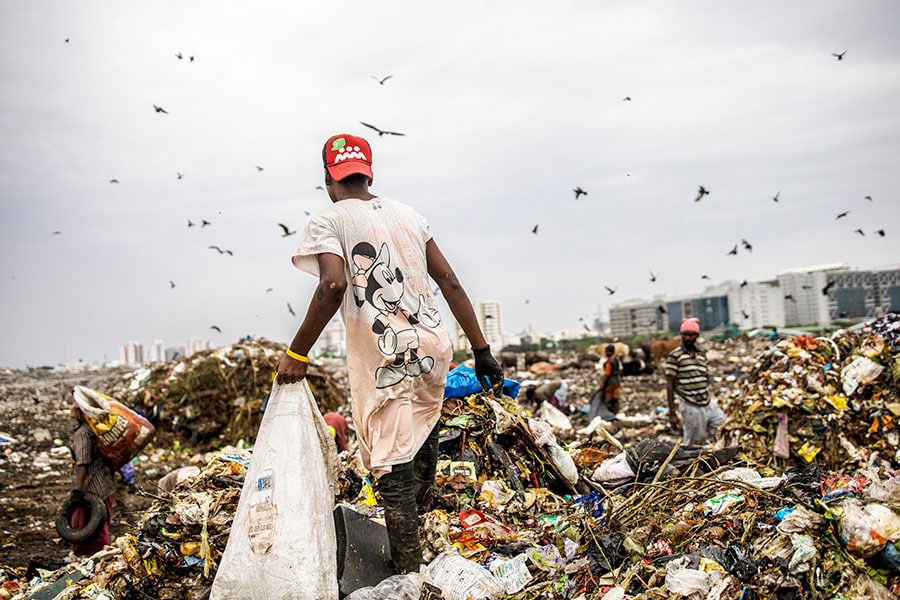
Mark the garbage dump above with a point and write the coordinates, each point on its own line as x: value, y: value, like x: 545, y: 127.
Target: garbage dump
x: 215, y: 396
x: 799, y: 498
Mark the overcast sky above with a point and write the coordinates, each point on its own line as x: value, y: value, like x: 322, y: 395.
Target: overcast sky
x: 506, y: 106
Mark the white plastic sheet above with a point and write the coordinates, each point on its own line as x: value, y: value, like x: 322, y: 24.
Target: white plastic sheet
x: 282, y: 543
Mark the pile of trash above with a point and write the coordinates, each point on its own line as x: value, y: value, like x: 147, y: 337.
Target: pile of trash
x: 214, y: 397
x: 800, y: 497
x: 830, y: 400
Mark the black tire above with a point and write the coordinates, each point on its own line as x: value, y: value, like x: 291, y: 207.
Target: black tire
x: 96, y: 509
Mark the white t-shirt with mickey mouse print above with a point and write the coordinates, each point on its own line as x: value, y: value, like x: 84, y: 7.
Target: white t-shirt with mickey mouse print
x: 398, y: 352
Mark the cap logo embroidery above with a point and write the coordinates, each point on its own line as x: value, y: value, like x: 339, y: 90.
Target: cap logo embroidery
x: 338, y: 144
x: 347, y: 153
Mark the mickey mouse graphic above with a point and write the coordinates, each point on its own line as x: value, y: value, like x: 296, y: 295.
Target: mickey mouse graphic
x: 376, y: 283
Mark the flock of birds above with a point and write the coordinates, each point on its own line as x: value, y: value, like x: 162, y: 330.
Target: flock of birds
x: 578, y: 191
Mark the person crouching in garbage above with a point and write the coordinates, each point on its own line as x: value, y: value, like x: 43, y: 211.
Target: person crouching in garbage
x: 90, y: 475
x: 374, y: 258
x: 687, y: 376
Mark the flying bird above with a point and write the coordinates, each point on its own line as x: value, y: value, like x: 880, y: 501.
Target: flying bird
x: 319, y: 187
x: 860, y: 232
x: 652, y: 276
x: 306, y: 212
x: 611, y: 290
x: 180, y: 175
x: 67, y: 40
x: 775, y: 197
x: 662, y: 309
x: 259, y: 168
x: 827, y: 287
x: 216, y: 327
x: 747, y: 245
x: 744, y: 283
x: 270, y: 290
x: 839, y: 56
x: 291, y: 310
x: 204, y: 223
x: 381, y: 81
x: 701, y: 191
x: 57, y: 232
x: 178, y: 55
x: 534, y: 229
x: 733, y: 251
x: 381, y: 132
x: 579, y: 192
x: 114, y: 181
x: 220, y: 251
x: 191, y: 58
x: 744, y: 314
x: 626, y: 99
x: 171, y: 284
x: 790, y: 297
x: 806, y: 287
x: 527, y: 301
x: 286, y: 229
x: 880, y: 232
x: 160, y: 109
x: 704, y: 277
x: 869, y: 198
x: 842, y: 215
x: 190, y: 223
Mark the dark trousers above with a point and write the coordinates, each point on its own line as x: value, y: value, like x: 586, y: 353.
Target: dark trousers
x: 406, y: 492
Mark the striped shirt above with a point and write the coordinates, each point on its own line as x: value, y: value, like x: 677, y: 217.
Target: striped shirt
x: 100, y: 479
x: 691, y: 375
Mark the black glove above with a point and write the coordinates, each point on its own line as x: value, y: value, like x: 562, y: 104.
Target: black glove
x: 77, y: 496
x: 487, y: 366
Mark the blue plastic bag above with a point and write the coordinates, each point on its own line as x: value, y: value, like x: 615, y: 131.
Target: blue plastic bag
x: 462, y: 382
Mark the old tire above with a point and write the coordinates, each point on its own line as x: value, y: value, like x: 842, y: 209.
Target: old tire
x: 96, y: 509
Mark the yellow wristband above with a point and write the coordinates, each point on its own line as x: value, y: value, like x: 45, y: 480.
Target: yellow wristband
x: 296, y: 356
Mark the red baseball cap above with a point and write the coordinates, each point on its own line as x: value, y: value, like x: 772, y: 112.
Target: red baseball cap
x: 347, y: 154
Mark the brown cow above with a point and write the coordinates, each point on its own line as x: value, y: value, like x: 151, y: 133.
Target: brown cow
x: 659, y: 349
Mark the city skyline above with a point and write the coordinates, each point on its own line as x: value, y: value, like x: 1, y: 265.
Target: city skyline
x: 595, y: 152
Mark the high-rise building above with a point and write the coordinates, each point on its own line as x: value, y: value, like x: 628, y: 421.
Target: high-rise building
x: 804, y: 303
x: 636, y: 317
x: 157, y: 352
x: 333, y: 340
x: 862, y: 294
x: 132, y: 354
x: 195, y: 345
x: 490, y: 319
x: 757, y: 304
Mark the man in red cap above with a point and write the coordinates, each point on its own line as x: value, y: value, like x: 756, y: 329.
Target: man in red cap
x: 687, y: 376
x: 374, y: 258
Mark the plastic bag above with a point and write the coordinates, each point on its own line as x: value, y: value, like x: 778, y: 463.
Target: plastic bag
x: 861, y: 370
x: 614, y: 471
x: 865, y: 529
x: 554, y: 416
x: 685, y: 581
x: 462, y: 382
x: 461, y: 579
x: 396, y: 587
x: 282, y: 543
x: 562, y: 460
x: 121, y: 432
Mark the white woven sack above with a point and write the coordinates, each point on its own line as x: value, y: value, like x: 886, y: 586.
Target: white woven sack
x: 282, y: 543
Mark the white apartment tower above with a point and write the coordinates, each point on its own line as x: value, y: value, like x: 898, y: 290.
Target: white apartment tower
x: 489, y: 314
x: 758, y: 304
x: 157, y: 352
x: 801, y: 289
x: 132, y: 354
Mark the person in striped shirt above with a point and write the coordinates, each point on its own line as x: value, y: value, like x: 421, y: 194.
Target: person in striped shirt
x: 687, y: 377
x: 90, y: 474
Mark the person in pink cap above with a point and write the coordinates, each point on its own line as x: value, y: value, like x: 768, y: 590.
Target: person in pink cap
x: 375, y: 259
x: 687, y: 377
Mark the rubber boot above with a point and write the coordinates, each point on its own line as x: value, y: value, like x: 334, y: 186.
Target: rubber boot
x: 398, y: 499
x: 425, y: 467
